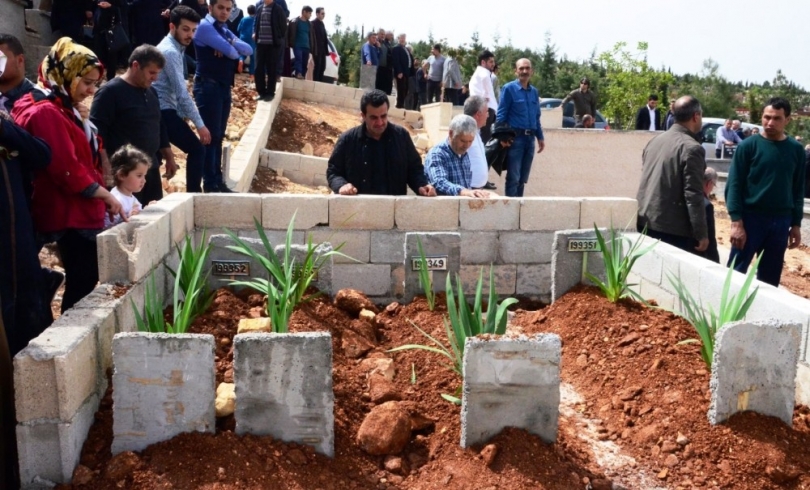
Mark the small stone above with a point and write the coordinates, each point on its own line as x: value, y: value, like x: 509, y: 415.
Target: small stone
x: 582, y: 360
x: 601, y: 484
x: 682, y: 440
x: 379, y: 365
x: 307, y: 149
x: 256, y: 300
x: 226, y: 399
x: 221, y: 473
x: 82, y: 475
x: 122, y: 465
x: 256, y: 312
x: 657, y: 364
x: 367, y: 316
x: 670, y: 461
x: 489, y: 453
x: 353, y: 301
x: 382, y: 390
x: 655, y: 451
x: 420, y: 422
x: 385, y: 430
x: 392, y: 308
x: 254, y: 325
x: 701, y: 372
x: 669, y: 447
x: 393, y: 464
x: 630, y: 393
x: 781, y: 476
x: 643, y: 327
x: 297, y: 457
x: 688, y: 452
x: 662, y: 475
x: 629, y: 339
x: 724, y: 466
x: 364, y: 329
x: 225, y: 341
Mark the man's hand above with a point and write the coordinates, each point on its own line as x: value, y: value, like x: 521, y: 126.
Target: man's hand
x: 738, y: 236
x: 702, y: 245
x: 171, y: 165
x: 205, y: 135
x: 481, y: 194
x: 348, y: 190
x: 165, y: 13
x: 368, y: 63
x: 541, y: 145
x: 427, y: 191
x: 795, y: 237
x: 399, y: 76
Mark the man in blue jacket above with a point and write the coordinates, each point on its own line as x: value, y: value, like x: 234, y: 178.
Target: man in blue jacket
x: 519, y: 108
x: 218, y: 51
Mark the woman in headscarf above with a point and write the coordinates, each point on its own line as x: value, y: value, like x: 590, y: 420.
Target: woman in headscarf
x: 69, y: 197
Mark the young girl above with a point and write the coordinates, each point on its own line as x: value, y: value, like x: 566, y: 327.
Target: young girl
x: 129, y: 170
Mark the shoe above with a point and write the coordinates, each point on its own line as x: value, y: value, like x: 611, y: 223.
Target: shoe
x: 299, y: 77
x: 269, y: 97
x: 259, y: 97
x: 490, y: 186
x: 224, y: 189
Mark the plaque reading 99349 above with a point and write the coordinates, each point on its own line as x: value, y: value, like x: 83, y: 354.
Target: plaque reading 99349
x: 434, y: 263
x: 230, y: 267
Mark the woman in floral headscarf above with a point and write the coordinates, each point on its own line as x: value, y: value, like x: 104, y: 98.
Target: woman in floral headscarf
x: 69, y: 197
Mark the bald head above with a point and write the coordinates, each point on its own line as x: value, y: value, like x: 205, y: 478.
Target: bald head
x: 688, y: 113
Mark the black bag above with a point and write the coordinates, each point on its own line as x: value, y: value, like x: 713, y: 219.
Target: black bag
x: 116, y: 37
x: 495, y: 152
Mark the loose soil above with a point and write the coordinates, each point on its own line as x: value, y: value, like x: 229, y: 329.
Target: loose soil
x: 633, y: 414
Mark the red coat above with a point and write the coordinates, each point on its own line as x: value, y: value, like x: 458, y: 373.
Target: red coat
x: 57, y: 201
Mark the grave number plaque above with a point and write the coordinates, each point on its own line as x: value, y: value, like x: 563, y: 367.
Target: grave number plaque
x: 230, y: 267
x: 583, y: 245
x: 434, y: 263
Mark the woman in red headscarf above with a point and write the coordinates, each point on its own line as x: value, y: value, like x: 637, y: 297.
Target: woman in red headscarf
x: 69, y: 198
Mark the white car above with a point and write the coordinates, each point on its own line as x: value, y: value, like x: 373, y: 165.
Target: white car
x: 330, y: 74
x: 710, y: 125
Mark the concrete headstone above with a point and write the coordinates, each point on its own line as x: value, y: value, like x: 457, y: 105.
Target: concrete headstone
x: 226, y: 264
x: 437, y: 246
x: 368, y: 77
x: 323, y: 279
x: 567, y: 267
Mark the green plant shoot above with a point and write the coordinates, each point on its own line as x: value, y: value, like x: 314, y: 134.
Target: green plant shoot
x: 425, y: 278
x: 733, y: 307
x: 152, y: 319
x: 191, y: 270
x: 618, y: 264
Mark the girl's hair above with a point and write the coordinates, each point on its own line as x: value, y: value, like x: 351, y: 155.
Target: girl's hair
x: 125, y: 160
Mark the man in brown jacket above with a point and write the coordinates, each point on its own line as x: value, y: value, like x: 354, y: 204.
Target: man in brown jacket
x: 670, y: 194
x: 584, y: 100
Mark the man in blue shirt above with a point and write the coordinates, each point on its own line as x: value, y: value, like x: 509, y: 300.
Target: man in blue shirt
x: 519, y: 108
x: 447, y: 165
x: 218, y: 51
x: 302, y: 38
x: 370, y: 53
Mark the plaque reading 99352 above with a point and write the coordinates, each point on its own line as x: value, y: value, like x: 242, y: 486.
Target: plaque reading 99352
x: 230, y: 268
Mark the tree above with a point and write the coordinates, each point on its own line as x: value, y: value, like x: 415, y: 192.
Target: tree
x: 629, y: 80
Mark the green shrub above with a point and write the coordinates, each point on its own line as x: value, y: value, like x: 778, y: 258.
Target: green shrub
x: 193, y: 261
x: 618, y: 264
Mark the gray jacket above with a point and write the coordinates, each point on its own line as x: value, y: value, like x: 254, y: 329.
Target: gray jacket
x: 670, y: 194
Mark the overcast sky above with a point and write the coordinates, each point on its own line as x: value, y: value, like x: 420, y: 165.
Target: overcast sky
x: 749, y: 39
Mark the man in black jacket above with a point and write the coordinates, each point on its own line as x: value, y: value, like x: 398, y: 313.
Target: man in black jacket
x: 269, y: 33
x: 403, y: 69
x: 648, y: 118
x: 376, y: 157
x: 321, y: 50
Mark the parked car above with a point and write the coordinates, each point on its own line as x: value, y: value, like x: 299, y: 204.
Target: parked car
x: 330, y: 74
x: 568, y: 113
x: 709, y: 131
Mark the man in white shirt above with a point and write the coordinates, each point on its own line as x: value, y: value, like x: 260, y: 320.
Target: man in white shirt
x: 481, y: 85
x: 476, y: 107
x: 648, y: 118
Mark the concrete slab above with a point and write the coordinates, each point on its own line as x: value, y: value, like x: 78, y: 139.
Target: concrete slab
x: 372, y: 279
x: 543, y: 213
x: 226, y: 265
x: 310, y: 210
x: 164, y: 386
x: 323, y: 277
x: 525, y: 247
x: 505, y: 276
x: 489, y: 214
x: 415, y: 213
x: 284, y: 388
x: 479, y: 247
x: 754, y: 368
x: 567, y: 267
x: 232, y: 210
x: 446, y: 246
x: 621, y: 212
x: 361, y: 212
x: 510, y: 382
x: 387, y: 247
x: 533, y: 280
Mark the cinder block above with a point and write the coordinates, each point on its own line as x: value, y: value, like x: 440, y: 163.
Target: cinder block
x: 284, y: 388
x: 533, y: 280
x: 505, y: 278
x: 802, y: 383
x: 398, y: 282
x: 650, y: 266
x: 314, y: 97
x: 101, y: 319
x: 294, y: 93
x: 550, y: 214
x: 50, y: 450
x: 525, y: 247
x: 479, y: 247
x: 567, y: 267
x: 350, y: 103
x: 307, y: 85
x: 282, y: 160
x: 328, y: 89
x: 754, y: 368
x: 649, y: 290
x: 346, y: 93
x: 387, y: 247
x: 489, y: 214
x: 784, y: 305
x: 323, y: 278
x: 228, y: 259
x: 180, y: 208
x: 113, y: 260
x: 358, y: 94
x: 372, y: 279
x: 164, y: 386
x: 229, y: 210
x: 355, y: 244
x: 314, y: 165
x: 310, y: 210
x: 444, y: 245
x: 150, y: 242
x: 320, y: 180
x: 510, y: 382
x: 677, y: 263
x: 299, y: 177
x: 56, y: 373
x: 396, y: 113
x: 415, y: 213
x: 621, y: 212
x: 361, y: 212
x: 124, y: 313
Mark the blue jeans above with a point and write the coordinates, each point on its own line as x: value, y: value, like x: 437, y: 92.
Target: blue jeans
x: 301, y: 60
x: 521, y: 155
x: 214, y: 103
x: 181, y: 136
x: 766, y: 235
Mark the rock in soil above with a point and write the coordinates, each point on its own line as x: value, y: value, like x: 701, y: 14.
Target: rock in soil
x: 395, y: 464
x: 82, y: 475
x: 364, y: 329
x: 379, y: 365
x: 382, y: 390
x: 353, y: 301
x: 254, y: 325
x: 385, y: 430
x: 225, y: 403
x: 297, y: 457
x: 354, y: 345
x: 121, y: 465
x: 489, y: 453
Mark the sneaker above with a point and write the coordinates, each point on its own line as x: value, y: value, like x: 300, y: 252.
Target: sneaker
x: 269, y: 97
x: 259, y: 97
x: 490, y: 186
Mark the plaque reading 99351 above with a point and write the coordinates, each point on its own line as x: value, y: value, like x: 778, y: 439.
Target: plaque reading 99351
x: 230, y: 268
x: 583, y: 245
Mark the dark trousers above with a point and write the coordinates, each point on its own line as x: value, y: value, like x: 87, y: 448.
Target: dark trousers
x: 108, y: 59
x: 685, y: 243
x: 153, y: 188
x: 214, y: 102
x: 320, y: 67
x: 434, y: 91
x: 451, y: 95
x: 766, y: 235
x: 267, y: 58
x: 181, y: 136
x: 486, y: 131
x: 81, y: 267
x: 301, y: 61
x: 521, y: 155
x: 9, y: 477
x: 402, y: 91
x: 385, y: 79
